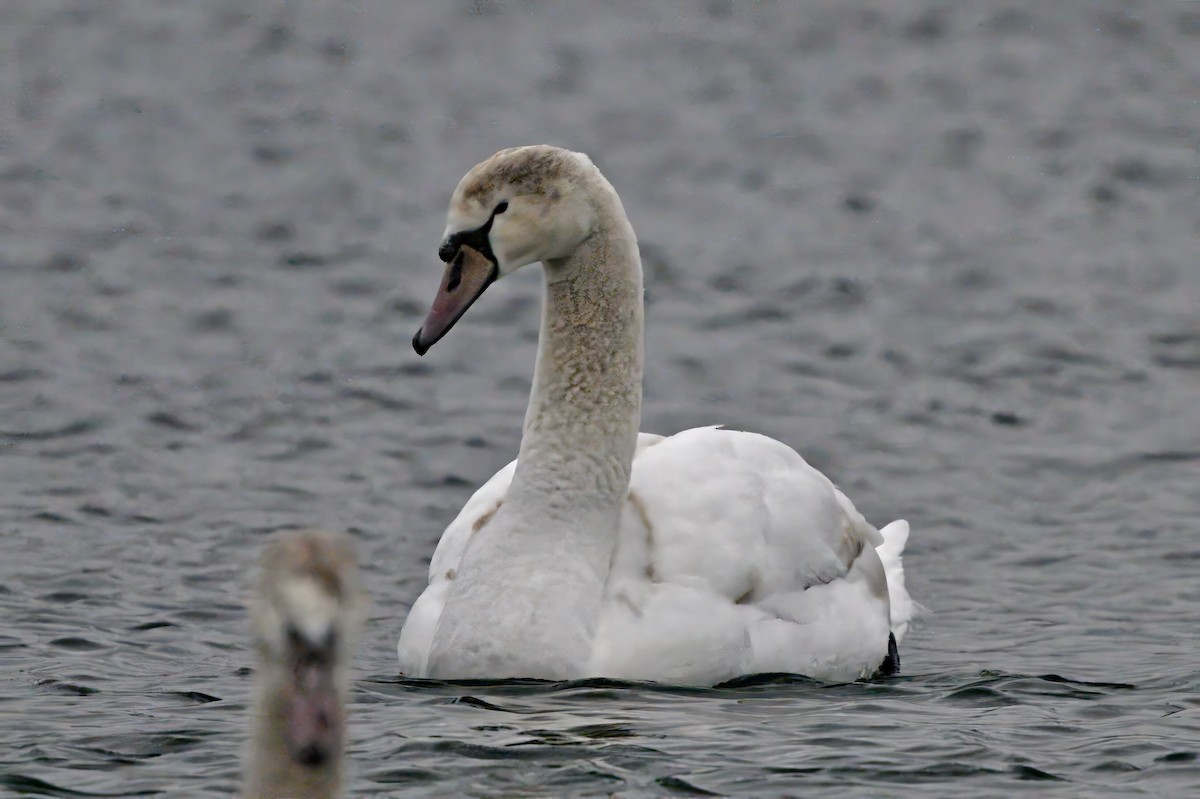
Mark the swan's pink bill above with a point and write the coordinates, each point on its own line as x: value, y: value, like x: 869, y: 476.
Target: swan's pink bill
x: 467, y: 275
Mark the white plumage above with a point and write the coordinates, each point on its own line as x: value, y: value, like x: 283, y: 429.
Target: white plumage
x: 733, y: 557
x: 692, y: 558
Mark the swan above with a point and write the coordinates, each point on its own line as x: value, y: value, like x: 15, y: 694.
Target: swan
x: 602, y: 552
x: 306, y: 614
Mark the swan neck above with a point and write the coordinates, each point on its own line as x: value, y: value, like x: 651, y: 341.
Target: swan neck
x: 584, y: 410
x: 528, y: 597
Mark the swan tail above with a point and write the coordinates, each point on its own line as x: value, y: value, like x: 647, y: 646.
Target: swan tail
x: 895, y: 536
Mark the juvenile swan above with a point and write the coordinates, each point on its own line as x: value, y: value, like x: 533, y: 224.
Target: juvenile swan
x: 690, y: 559
x: 306, y: 614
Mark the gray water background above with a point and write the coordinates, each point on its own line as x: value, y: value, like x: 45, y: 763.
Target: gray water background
x: 949, y: 252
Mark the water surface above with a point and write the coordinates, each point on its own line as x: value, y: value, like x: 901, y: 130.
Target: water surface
x: 947, y: 253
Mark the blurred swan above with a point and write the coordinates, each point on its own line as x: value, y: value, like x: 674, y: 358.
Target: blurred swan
x: 692, y: 558
x: 306, y: 613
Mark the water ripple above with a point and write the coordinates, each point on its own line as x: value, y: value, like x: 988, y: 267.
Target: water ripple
x: 890, y: 235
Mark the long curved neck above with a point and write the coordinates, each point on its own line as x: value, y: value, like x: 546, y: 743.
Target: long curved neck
x: 528, y: 596
x: 584, y: 410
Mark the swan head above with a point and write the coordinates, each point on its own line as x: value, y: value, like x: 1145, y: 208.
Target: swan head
x: 307, y: 611
x: 522, y: 205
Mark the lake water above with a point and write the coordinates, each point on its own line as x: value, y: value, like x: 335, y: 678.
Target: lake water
x: 950, y: 254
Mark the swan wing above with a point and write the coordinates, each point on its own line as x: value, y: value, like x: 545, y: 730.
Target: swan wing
x: 736, y: 556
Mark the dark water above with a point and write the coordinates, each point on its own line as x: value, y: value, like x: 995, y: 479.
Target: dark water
x: 949, y: 253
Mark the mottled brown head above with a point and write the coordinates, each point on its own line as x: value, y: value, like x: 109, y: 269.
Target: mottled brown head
x: 522, y: 205
x: 324, y: 559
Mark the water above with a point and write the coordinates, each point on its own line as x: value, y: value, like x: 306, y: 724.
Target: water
x: 948, y: 253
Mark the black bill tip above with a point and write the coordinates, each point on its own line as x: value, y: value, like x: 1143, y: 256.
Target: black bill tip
x: 312, y: 755
x: 419, y: 346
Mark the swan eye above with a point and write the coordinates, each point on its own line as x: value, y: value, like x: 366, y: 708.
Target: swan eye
x: 501, y: 208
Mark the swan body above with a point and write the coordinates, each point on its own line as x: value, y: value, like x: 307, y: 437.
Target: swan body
x: 306, y: 614
x: 600, y: 551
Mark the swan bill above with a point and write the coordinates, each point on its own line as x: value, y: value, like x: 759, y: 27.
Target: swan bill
x: 468, y: 274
